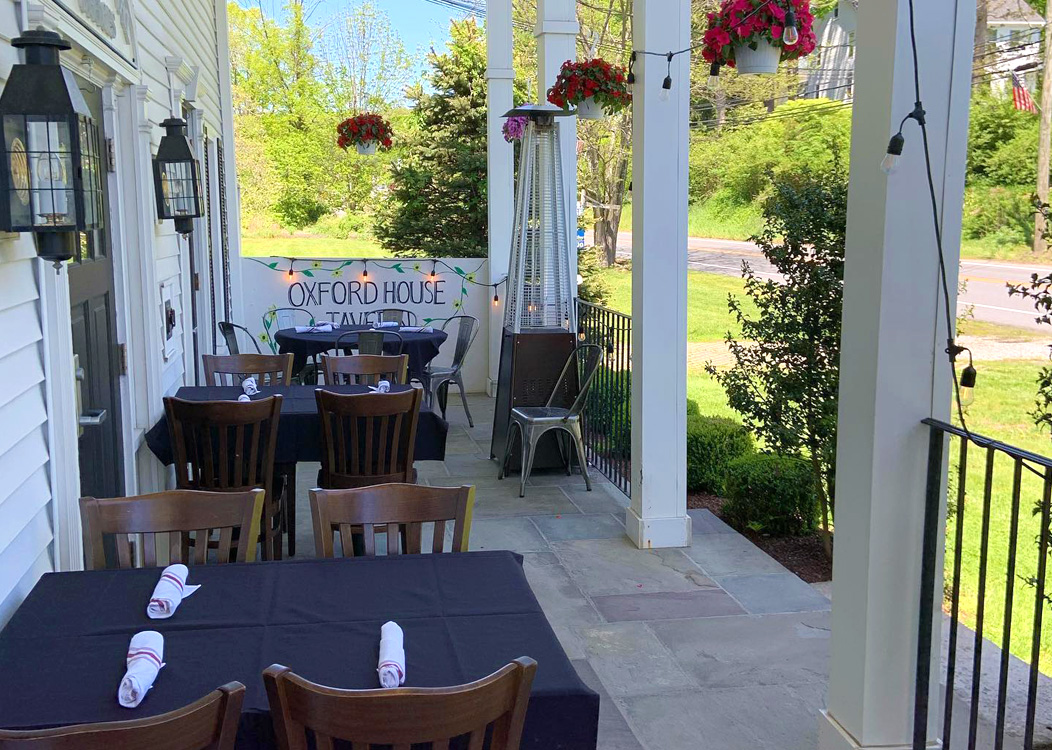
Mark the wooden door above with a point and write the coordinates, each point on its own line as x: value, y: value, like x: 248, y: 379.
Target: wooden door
x: 95, y: 350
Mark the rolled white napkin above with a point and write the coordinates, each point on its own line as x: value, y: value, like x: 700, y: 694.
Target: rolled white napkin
x: 250, y: 386
x: 387, y: 324
x: 392, y: 656
x: 384, y: 386
x: 319, y: 328
x: 145, y: 659
x: 243, y: 397
x: 171, y: 589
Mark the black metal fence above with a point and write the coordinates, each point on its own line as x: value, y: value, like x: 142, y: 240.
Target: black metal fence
x: 1008, y: 588
x: 608, y: 412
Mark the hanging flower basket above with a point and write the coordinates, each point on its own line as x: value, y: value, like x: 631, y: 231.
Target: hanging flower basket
x: 759, y: 58
x: 595, y: 87
x: 514, y: 129
x: 366, y: 132
x: 752, y: 36
x: 590, y: 109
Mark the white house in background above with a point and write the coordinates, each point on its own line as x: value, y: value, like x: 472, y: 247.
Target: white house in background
x: 110, y: 334
x: 1014, y: 33
x: 829, y: 73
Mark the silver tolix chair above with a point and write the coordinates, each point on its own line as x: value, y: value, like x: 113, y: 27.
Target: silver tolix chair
x: 534, y: 421
x: 435, y: 378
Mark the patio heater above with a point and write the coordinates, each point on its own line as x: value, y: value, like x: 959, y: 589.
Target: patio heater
x: 539, y: 314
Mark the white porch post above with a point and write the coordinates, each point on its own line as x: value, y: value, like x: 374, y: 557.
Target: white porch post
x: 893, y: 369
x: 658, y: 516
x: 556, y: 33
x: 500, y: 186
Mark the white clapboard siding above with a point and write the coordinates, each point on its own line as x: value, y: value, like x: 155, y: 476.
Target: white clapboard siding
x: 25, y: 517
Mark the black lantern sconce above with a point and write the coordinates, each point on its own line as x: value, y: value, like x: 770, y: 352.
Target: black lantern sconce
x: 177, y: 178
x: 50, y: 176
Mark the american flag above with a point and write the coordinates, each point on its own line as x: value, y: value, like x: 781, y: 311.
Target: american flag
x: 1021, y: 98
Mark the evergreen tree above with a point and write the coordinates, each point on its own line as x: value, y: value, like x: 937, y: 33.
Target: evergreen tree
x: 438, y: 191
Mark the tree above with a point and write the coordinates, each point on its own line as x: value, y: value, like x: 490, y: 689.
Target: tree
x: 1045, y: 139
x: 785, y: 377
x: 437, y: 202
x: 366, y: 66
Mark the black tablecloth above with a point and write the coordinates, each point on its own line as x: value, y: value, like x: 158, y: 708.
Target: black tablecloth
x: 299, y: 429
x: 464, y: 616
x: 420, y: 346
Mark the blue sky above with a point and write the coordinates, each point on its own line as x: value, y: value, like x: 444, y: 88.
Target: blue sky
x: 420, y: 24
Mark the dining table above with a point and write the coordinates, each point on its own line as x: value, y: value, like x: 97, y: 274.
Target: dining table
x: 421, y: 343
x: 299, y: 428
x: 464, y: 616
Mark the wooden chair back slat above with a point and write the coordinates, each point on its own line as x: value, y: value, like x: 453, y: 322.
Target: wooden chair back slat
x: 365, y: 369
x: 396, y: 509
x: 229, y: 446
x: 367, y: 438
x: 232, y: 369
x: 173, y: 514
x: 208, y: 724
x: 401, y: 717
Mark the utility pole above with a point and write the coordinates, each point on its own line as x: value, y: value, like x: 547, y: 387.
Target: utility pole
x: 1044, y: 146
x: 981, y: 30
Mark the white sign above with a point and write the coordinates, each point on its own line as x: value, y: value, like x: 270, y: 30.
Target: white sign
x: 350, y: 292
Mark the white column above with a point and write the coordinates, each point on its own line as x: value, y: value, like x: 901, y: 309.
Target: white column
x: 500, y: 178
x: 657, y: 516
x: 556, y: 33
x: 894, y: 372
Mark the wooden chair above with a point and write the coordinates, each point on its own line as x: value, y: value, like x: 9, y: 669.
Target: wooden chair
x: 175, y: 514
x: 207, y: 724
x: 367, y: 438
x: 364, y: 369
x: 267, y: 369
x: 401, y: 717
x: 389, y: 508
x: 228, y: 446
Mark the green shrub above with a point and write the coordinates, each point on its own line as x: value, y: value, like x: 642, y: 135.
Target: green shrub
x: 771, y: 494
x: 1002, y: 213
x: 341, y: 225
x: 693, y: 410
x: 593, y: 287
x: 712, y: 443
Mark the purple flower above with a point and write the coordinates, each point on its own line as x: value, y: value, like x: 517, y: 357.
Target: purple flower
x: 514, y: 128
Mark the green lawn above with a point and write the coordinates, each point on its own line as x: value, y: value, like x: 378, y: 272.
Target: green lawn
x: 1004, y: 396
x: 312, y: 247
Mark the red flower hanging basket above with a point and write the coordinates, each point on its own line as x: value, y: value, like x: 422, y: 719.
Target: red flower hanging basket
x: 751, y: 28
x: 594, y: 86
x: 366, y: 131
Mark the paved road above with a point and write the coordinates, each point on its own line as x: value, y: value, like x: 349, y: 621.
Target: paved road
x: 986, y: 290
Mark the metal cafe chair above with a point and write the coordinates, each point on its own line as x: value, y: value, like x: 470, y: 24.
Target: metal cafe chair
x: 373, y: 342
x: 229, y: 332
x: 290, y: 317
x: 437, y: 377
x: 534, y: 421
x: 398, y: 315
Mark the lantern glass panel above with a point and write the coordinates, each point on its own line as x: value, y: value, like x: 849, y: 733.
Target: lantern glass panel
x: 91, y: 173
x: 177, y: 185
x: 51, y: 176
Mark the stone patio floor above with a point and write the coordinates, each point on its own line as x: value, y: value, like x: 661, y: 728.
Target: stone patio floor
x: 715, y: 645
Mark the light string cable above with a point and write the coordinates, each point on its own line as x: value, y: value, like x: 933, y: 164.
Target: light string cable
x: 897, y: 140
x: 465, y: 276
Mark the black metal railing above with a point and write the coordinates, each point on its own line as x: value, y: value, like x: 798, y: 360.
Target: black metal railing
x: 607, y: 416
x: 985, y: 587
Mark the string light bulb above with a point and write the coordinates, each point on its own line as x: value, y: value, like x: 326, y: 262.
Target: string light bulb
x: 291, y: 273
x: 790, y: 34
x: 891, y: 158
x: 496, y: 299
x: 434, y: 264
x: 666, y: 85
x: 365, y: 270
x: 631, y: 69
x: 714, y: 76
